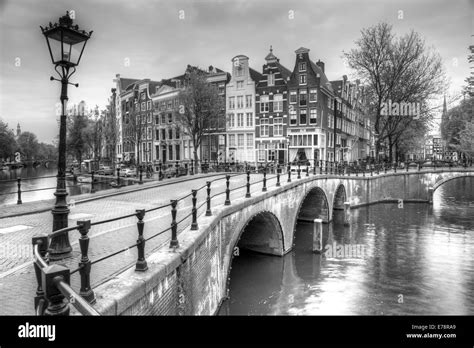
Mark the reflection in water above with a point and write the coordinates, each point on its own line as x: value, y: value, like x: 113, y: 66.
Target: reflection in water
x: 29, y: 172
x: 417, y: 260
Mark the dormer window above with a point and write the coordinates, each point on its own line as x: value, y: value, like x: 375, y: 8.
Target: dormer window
x: 303, y: 66
x: 271, y: 79
x: 240, y: 84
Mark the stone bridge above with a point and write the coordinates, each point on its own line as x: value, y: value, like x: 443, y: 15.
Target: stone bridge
x: 193, y: 279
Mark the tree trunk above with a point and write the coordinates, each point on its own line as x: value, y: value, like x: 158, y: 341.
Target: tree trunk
x: 390, y: 148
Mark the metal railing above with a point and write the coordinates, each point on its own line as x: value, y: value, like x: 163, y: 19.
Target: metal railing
x: 54, y: 292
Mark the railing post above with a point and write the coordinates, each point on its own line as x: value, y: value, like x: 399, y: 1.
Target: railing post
x: 208, y: 210
x: 50, y: 276
x: 330, y: 167
x: 141, y: 264
x: 395, y: 168
x: 194, y: 224
x: 174, y: 226
x: 326, y: 166
x: 278, y: 175
x: 177, y: 168
x: 356, y: 171
x: 247, y: 195
x: 321, y: 167
x: 289, y: 173
x: 314, y: 167
x: 85, y: 265
x: 299, y: 172
x: 42, y: 248
x: 192, y: 166
x: 363, y: 171
x: 18, y: 201
x: 118, y: 177
x: 92, y: 182
x: 371, y: 171
x: 307, y: 170
x: 141, y: 175
x: 385, y: 169
x: 407, y: 167
x: 227, y: 191
x: 264, y: 188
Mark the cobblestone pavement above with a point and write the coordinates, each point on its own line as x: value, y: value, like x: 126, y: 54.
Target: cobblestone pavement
x: 17, y: 277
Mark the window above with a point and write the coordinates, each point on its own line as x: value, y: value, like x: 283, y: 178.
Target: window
x: 249, y: 119
x: 148, y: 118
x: 240, y: 84
x: 303, y: 96
x: 313, y: 95
x: 249, y: 140
x: 231, y: 120
x: 271, y: 79
x: 315, y: 140
x: 239, y: 71
x: 221, y: 88
x: 231, y: 102
x: 248, y: 101
x: 177, y: 133
x: 261, y: 152
x: 148, y: 106
x: 170, y: 133
x: 302, y: 79
x: 148, y: 133
x: 240, y: 120
x: 264, y: 103
x: 170, y: 118
x: 278, y: 103
x: 302, y: 116
x: 303, y: 66
x: 264, y: 127
x: 293, y: 116
x: 240, y: 102
x: 313, y: 115
x: 292, y: 97
x: 278, y: 126
x: 163, y: 134
x: 240, y: 140
x: 232, y: 140
x: 163, y: 118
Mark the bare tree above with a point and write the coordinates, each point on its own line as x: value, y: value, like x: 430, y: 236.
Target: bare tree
x: 395, y: 69
x: 200, y: 108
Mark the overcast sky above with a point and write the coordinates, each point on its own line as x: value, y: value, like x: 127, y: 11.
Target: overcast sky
x: 158, y: 42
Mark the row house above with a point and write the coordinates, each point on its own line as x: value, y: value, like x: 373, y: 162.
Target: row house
x: 310, y: 110
x: 121, y: 85
x: 353, y: 127
x: 271, y: 119
x: 240, y: 109
x: 213, y: 143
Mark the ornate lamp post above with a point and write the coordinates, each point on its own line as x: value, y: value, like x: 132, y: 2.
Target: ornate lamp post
x: 66, y: 44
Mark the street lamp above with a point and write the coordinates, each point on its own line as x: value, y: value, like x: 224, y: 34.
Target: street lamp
x: 66, y: 44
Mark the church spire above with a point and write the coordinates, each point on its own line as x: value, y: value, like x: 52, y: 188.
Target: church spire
x: 444, y: 115
x: 18, y: 130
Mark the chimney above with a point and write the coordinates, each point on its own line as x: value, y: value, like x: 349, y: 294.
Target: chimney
x: 320, y: 64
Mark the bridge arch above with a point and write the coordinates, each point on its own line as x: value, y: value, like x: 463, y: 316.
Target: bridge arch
x: 314, y: 205
x: 261, y: 233
x: 446, y: 179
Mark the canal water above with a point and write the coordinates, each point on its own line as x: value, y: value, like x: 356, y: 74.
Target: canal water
x: 414, y: 259
x: 44, y: 179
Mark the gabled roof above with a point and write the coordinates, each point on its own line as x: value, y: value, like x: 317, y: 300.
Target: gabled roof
x: 285, y: 73
x: 125, y: 82
x: 255, y: 75
x: 324, y: 80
